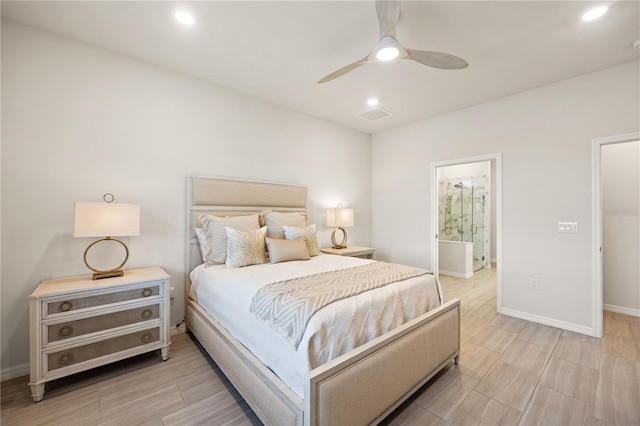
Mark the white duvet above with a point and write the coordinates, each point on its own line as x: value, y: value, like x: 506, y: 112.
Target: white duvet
x: 226, y: 294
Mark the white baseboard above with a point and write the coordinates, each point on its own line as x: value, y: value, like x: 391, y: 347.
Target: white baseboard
x: 455, y: 274
x: 622, y: 310
x: 577, y: 328
x: 13, y: 372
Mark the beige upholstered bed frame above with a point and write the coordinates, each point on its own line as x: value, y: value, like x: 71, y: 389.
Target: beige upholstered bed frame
x: 360, y: 387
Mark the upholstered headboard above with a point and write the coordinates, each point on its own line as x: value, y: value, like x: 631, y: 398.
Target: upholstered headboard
x: 222, y: 197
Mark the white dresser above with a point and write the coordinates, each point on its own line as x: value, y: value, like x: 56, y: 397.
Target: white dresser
x: 77, y: 323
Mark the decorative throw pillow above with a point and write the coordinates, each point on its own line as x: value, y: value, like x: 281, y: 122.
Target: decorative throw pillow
x: 217, y: 237
x: 276, y: 220
x: 306, y: 233
x: 201, y: 234
x: 245, y: 248
x: 286, y: 250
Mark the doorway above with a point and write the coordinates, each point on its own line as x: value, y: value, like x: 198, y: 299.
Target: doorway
x: 465, y: 219
x: 615, y: 213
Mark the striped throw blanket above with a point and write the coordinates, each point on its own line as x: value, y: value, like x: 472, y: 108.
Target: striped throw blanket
x: 287, y: 306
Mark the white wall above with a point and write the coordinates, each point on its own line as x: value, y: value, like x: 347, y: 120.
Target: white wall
x: 79, y: 121
x: 545, y: 137
x: 621, y: 226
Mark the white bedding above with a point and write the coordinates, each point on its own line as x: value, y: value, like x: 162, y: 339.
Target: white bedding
x: 226, y: 294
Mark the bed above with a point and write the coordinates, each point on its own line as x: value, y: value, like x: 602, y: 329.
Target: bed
x: 361, y: 386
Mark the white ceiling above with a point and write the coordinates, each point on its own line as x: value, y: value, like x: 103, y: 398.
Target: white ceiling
x: 277, y: 51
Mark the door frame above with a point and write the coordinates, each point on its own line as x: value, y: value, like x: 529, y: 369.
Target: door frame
x: 433, y: 222
x: 596, y: 231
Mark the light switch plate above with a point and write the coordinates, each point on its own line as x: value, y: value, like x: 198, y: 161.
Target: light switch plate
x: 568, y: 227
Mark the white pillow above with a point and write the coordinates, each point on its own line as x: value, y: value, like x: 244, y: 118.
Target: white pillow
x: 245, y: 248
x: 306, y: 233
x: 217, y: 237
x: 276, y: 220
x: 201, y: 234
x: 285, y: 250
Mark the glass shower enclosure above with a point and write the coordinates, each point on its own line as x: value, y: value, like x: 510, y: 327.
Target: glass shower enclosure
x: 461, y: 210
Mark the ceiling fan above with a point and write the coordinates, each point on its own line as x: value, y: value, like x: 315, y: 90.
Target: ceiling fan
x: 389, y: 48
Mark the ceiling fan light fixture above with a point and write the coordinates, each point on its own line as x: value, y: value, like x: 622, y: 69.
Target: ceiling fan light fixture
x: 594, y: 13
x: 387, y: 53
x: 387, y: 49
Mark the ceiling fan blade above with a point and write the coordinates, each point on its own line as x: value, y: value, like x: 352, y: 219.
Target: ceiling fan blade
x: 388, y: 14
x: 342, y: 71
x: 440, y: 60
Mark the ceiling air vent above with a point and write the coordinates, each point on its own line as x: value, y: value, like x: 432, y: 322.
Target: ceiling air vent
x: 374, y: 114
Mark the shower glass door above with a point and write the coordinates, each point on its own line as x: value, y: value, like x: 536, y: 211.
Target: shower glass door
x: 461, y: 217
x: 476, y: 209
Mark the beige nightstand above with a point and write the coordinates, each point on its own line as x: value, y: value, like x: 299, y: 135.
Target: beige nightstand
x: 352, y: 251
x: 77, y: 323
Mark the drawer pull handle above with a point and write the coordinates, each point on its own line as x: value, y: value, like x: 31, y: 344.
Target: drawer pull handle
x: 147, y: 292
x: 65, y: 331
x: 65, y: 358
x: 66, y: 306
x: 146, y: 337
x: 147, y: 313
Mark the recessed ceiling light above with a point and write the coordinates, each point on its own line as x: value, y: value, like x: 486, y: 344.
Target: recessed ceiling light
x: 595, y: 13
x: 372, y: 102
x: 184, y: 17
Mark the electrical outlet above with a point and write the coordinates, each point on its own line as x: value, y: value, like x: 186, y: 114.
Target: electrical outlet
x: 534, y: 284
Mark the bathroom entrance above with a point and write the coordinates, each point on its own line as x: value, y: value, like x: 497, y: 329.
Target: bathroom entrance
x: 464, y: 222
x: 479, y: 198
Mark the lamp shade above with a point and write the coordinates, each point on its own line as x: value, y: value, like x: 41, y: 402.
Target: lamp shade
x: 340, y: 217
x: 106, y: 220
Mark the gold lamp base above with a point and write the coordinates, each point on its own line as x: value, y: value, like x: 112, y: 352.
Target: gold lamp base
x: 115, y: 272
x: 343, y: 243
x: 107, y: 274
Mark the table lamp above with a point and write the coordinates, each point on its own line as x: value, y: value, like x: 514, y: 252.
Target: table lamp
x: 340, y: 218
x: 106, y: 220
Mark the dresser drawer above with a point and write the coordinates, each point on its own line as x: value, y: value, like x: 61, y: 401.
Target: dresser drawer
x: 67, y: 330
x: 68, y: 357
x: 365, y: 256
x: 71, y: 304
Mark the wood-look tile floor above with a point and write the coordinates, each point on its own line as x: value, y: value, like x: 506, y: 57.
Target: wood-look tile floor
x: 515, y: 372
x: 511, y: 372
